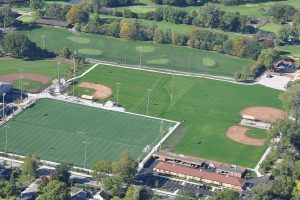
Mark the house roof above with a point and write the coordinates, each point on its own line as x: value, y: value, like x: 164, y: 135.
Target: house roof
x: 230, y: 169
x: 179, y: 169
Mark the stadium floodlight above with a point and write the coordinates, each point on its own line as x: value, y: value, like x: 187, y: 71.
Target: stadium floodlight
x: 141, y: 55
x: 20, y: 82
x: 118, y: 88
x: 6, y: 127
x: 3, y: 95
x: 189, y: 66
x: 44, y: 44
x: 149, y: 91
x: 161, y: 130
x: 58, y: 77
x: 85, y: 147
x: 172, y: 87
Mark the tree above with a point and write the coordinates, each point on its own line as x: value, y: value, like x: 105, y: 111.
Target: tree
x: 268, y: 57
x: 62, y: 173
x: 114, y: 184
x: 225, y: 194
x: 55, y: 190
x: 36, y: 4
x: 7, y: 17
x: 77, y: 15
x: 283, y: 186
x: 128, y: 29
x: 158, y: 36
x: 101, y: 169
x: 291, y: 101
x: 29, y: 167
x: 210, y: 16
x: 126, y: 167
x: 186, y: 195
x: 138, y: 193
x: 7, y: 189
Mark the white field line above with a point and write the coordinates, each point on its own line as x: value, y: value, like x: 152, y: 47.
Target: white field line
x: 142, y: 163
x: 171, y: 72
x: 84, y: 73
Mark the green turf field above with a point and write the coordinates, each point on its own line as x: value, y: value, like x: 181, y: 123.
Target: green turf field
x: 41, y: 67
x: 118, y: 50
x: 208, y: 107
x: 293, y: 50
x: 54, y: 130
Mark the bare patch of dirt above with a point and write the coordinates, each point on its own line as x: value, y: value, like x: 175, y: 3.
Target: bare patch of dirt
x: 238, y: 134
x: 10, y: 78
x: 264, y: 114
x: 102, y: 91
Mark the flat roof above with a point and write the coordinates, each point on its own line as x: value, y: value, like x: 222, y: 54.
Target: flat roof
x: 230, y: 169
x: 179, y: 169
x: 178, y: 156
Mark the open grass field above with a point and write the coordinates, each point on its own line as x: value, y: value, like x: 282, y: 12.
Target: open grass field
x: 271, y: 27
x: 42, y: 67
x: 55, y: 130
x: 118, y: 50
x: 293, y: 50
x: 47, y: 68
x: 207, y: 107
x: 28, y: 19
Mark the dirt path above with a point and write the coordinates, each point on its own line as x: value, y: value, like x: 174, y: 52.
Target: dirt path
x: 102, y: 91
x: 238, y: 134
x: 10, y: 78
x: 264, y: 114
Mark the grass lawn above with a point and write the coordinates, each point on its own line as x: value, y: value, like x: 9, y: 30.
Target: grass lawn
x: 293, y: 50
x: 270, y: 27
x: 256, y: 133
x: 208, y: 108
x: 55, y: 130
x: 28, y: 19
x: 118, y: 50
x: 42, y: 67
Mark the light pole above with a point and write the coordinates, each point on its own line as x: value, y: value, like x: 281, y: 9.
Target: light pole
x: 149, y: 91
x: 118, y: 88
x: 44, y: 44
x: 172, y: 87
x: 58, y: 77
x: 161, y: 130
x: 20, y: 82
x: 86, y: 143
x: 189, y: 66
x: 3, y: 95
x: 74, y: 74
x: 141, y: 54
x: 6, y: 127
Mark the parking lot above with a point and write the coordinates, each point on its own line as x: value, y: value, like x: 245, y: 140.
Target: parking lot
x: 171, y: 185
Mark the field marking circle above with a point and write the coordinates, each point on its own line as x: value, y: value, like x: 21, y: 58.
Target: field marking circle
x: 80, y: 40
x: 158, y: 61
x: 208, y: 62
x: 145, y: 49
x: 93, y: 52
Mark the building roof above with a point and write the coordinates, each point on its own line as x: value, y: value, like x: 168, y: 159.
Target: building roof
x: 230, y: 169
x: 53, y: 22
x: 179, y: 169
x: 178, y: 157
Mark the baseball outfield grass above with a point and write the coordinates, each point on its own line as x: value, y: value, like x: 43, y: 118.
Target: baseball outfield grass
x: 56, y: 131
x: 123, y: 51
x: 207, y: 107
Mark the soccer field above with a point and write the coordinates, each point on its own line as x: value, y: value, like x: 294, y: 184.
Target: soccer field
x: 56, y: 131
x: 207, y: 107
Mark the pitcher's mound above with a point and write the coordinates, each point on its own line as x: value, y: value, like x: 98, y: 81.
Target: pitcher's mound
x: 238, y: 134
x: 102, y: 91
x: 264, y: 114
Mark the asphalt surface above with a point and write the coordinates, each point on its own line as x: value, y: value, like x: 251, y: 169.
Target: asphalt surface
x: 170, y: 185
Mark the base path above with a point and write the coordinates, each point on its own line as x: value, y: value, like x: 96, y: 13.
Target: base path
x: 10, y: 78
x: 102, y: 91
x: 264, y: 114
x: 238, y: 134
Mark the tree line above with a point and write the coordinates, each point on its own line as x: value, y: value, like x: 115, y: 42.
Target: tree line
x: 184, y: 3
